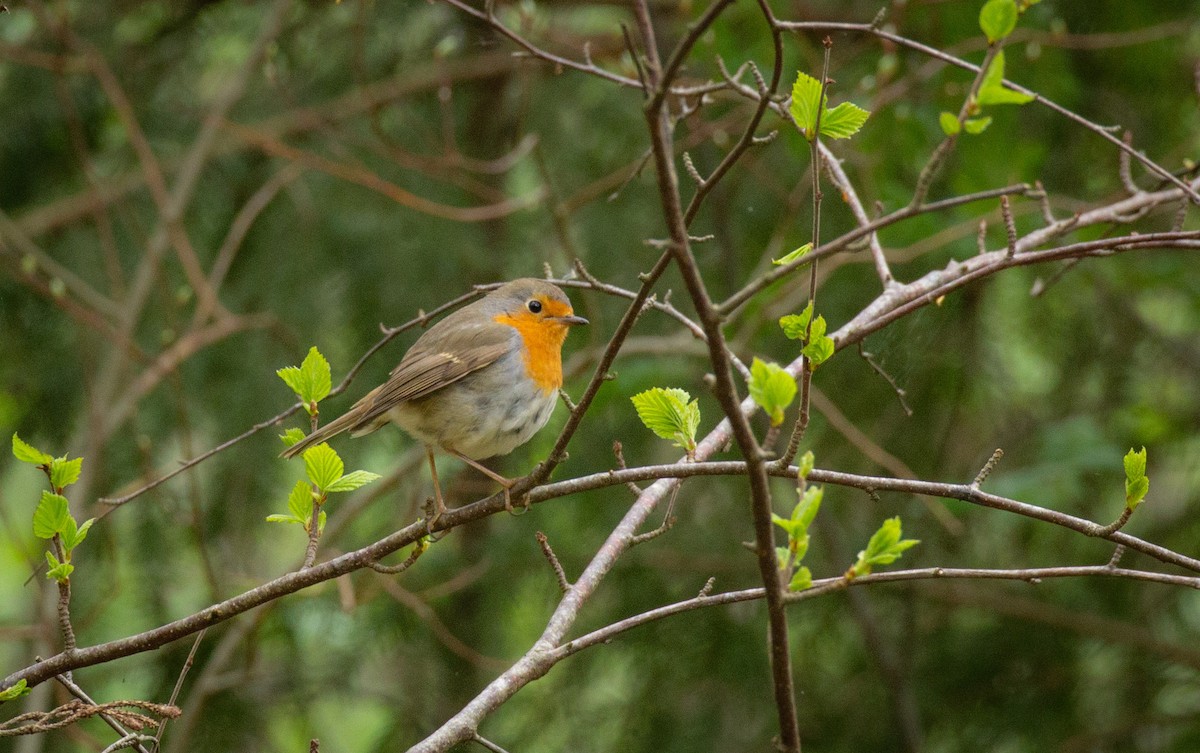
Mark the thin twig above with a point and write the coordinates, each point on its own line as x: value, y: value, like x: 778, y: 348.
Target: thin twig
x: 560, y: 575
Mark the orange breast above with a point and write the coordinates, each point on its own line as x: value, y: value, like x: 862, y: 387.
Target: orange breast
x: 543, y: 348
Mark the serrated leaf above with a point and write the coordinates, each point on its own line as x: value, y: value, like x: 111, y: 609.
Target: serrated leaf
x: 51, y: 515
x: 805, y: 95
x: 795, y: 326
x: 300, y: 501
x: 61, y: 572
x: 352, y: 481
x: 1135, y: 493
x: 73, y: 537
x: 311, y: 380
x: 840, y: 122
x: 806, y: 509
x: 884, y: 548
x: 772, y: 389
x: 976, y: 126
x: 817, y: 330
x: 843, y: 121
x: 291, y: 436
x: 323, y: 466
x: 1135, y: 464
x: 316, y: 375
x: 801, y: 580
x: 291, y: 377
x: 1137, y: 485
x: 819, y: 351
x: 14, y: 691
x: 27, y: 453
x: 949, y: 123
x: 793, y: 256
x: 997, y: 19
x: 65, y: 472
x: 669, y: 414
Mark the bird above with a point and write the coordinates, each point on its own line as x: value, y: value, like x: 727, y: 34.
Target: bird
x: 477, y: 384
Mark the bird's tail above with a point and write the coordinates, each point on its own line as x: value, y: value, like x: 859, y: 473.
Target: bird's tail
x: 346, y: 421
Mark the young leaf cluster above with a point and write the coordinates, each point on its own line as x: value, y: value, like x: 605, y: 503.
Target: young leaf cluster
x: 52, y: 519
x: 311, y: 380
x: 772, y: 389
x: 326, y: 475
x: 884, y: 548
x: 817, y: 346
x: 839, y: 122
x: 671, y: 414
x: 796, y: 526
x: 997, y: 19
x: 1137, y: 484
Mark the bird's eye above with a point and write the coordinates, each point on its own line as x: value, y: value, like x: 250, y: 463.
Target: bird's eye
x: 535, y: 306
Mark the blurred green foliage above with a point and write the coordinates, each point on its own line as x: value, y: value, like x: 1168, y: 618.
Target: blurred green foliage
x: 419, y: 95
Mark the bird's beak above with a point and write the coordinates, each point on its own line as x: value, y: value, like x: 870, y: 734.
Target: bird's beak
x: 569, y: 320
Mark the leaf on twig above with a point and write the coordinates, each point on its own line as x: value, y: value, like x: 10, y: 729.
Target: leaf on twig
x: 1137, y: 484
x: 669, y: 414
x: 772, y: 389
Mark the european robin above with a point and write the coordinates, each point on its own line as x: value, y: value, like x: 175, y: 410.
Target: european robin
x: 479, y: 383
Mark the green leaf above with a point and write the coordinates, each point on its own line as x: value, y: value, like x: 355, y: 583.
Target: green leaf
x: 795, y: 326
x: 840, y: 122
x: 291, y: 436
x: 59, y: 571
x: 793, y: 256
x: 667, y: 413
x: 300, y: 501
x: 801, y: 580
x: 949, y: 123
x: 805, y: 95
x: 991, y: 89
x: 976, y: 126
x: 323, y: 466
x: 352, y: 481
x: 320, y: 522
x: 27, y: 453
x: 74, y: 536
x: 819, y: 350
x: 14, y: 691
x: 1136, y: 483
x: 65, y: 472
x: 311, y: 380
x: 315, y: 370
x: 787, y: 524
x: 997, y: 19
x: 843, y: 121
x: 884, y: 548
x: 806, y: 464
x: 772, y: 388
x: 806, y: 509
x: 51, y: 515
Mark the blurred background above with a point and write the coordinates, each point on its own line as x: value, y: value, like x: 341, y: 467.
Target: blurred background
x: 194, y: 193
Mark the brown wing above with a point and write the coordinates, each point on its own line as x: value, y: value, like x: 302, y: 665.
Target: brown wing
x: 449, y: 351
x: 434, y: 362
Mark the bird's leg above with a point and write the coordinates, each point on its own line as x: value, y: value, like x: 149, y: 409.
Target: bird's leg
x: 506, y: 483
x: 439, y: 505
